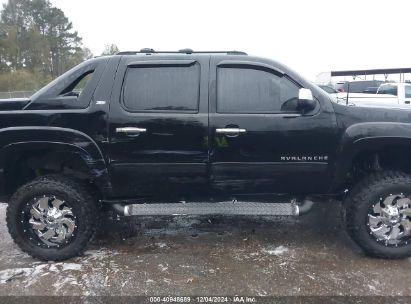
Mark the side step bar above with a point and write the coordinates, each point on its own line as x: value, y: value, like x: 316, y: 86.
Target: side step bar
x: 220, y: 208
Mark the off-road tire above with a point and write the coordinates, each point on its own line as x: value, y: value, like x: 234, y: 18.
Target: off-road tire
x: 75, y: 194
x: 358, y: 203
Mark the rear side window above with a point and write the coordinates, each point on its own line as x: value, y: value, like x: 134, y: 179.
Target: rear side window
x: 407, y: 91
x: 162, y: 88
x: 360, y: 86
x: 388, y: 89
x: 247, y: 90
x: 78, y: 85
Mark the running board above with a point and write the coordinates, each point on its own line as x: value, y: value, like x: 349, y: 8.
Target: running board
x: 220, y: 208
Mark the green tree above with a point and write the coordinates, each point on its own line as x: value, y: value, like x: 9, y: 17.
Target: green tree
x: 22, y: 80
x: 39, y: 39
x: 111, y: 49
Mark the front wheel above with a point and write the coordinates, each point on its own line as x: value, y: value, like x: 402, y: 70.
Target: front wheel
x: 378, y: 215
x: 52, y: 217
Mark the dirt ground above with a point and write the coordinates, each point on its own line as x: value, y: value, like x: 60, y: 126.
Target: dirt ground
x: 254, y: 256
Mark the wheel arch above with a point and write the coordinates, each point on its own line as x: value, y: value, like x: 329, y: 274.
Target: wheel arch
x: 390, y: 141
x: 41, y: 142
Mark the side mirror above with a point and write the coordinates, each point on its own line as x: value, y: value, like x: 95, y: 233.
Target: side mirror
x: 306, y: 102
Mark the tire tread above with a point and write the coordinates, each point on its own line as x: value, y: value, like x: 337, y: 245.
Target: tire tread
x: 74, y: 189
x: 360, y: 194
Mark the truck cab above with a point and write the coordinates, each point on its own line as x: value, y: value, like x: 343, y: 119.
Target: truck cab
x: 400, y: 91
x: 219, y: 124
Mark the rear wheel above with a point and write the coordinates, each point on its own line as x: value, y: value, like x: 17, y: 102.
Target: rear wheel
x: 378, y: 215
x: 52, y: 217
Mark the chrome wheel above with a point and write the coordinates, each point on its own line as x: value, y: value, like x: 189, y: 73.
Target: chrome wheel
x: 389, y: 221
x: 51, y: 220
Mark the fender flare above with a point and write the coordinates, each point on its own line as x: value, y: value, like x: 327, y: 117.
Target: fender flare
x: 361, y: 137
x: 17, y: 139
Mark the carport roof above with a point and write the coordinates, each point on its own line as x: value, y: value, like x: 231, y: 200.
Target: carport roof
x: 371, y: 72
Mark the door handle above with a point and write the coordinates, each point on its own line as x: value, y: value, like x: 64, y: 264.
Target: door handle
x: 131, y: 130
x: 230, y: 131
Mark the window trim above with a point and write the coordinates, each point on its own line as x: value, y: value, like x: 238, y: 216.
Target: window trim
x: 160, y: 64
x: 243, y: 64
x: 249, y: 65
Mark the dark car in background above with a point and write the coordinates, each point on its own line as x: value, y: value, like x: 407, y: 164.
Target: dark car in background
x: 328, y: 89
x: 371, y: 90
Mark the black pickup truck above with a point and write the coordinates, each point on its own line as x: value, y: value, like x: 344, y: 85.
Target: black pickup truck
x: 154, y: 133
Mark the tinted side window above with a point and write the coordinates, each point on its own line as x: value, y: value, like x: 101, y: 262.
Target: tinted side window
x: 78, y: 85
x: 243, y: 90
x: 407, y: 91
x: 162, y: 88
x: 388, y: 89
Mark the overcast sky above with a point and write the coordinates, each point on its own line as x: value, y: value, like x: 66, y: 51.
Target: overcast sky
x: 309, y: 36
